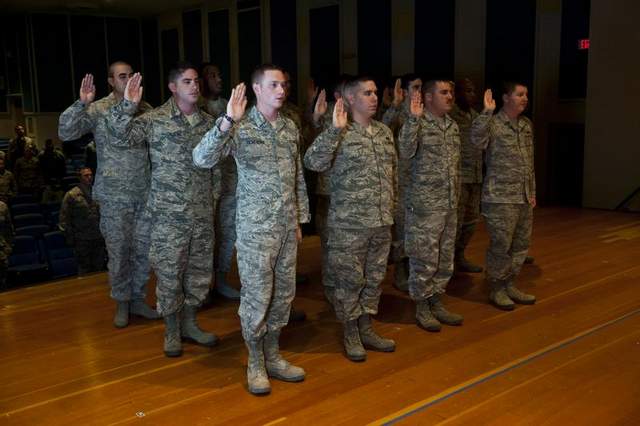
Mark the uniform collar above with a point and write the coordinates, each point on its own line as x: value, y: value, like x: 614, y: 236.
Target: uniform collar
x: 259, y: 119
x: 363, y: 130
x: 175, y: 112
x: 505, y: 119
x: 438, y: 122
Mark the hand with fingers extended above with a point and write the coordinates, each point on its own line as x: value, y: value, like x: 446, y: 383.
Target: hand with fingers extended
x: 417, y: 107
x: 320, y: 108
x: 489, y: 102
x: 398, y: 94
x: 339, y: 115
x: 235, y: 107
x: 87, y: 89
x: 133, y: 89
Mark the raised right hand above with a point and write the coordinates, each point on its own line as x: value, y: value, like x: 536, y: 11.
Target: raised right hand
x: 339, y: 115
x: 133, y: 89
x: 237, y: 102
x: 417, y: 107
x: 398, y: 94
x: 87, y: 90
x: 489, y: 102
x: 320, y: 108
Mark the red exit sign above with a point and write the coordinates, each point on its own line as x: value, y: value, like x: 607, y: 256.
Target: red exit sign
x: 583, y: 44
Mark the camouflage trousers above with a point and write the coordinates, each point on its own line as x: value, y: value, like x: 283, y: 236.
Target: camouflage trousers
x: 429, y: 243
x: 468, y: 214
x: 358, y: 259
x: 90, y: 255
x: 322, y: 209
x: 225, y: 221
x: 181, y: 255
x: 509, y: 227
x: 267, y: 269
x: 397, y: 245
x: 125, y: 228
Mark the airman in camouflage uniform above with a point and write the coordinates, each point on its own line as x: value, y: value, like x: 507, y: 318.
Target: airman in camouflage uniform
x: 6, y: 237
x: 8, y: 186
x: 80, y: 222
x: 271, y: 204
x: 180, y: 201
x: 508, y: 192
x: 363, y: 189
x: 471, y: 174
x: 394, y: 117
x: 121, y: 187
x: 28, y: 172
x: 430, y: 141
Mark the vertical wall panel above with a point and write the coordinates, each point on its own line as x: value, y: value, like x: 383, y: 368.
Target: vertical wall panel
x: 219, y: 51
x: 374, y: 39
x: 434, y: 38
x: 284, y: 46
x: 192, y: 36
x: 324, y: 45
x: 151, y: 61
x: 249, y: 43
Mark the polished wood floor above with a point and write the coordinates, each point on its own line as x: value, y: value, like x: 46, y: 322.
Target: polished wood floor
x: 573, y: 358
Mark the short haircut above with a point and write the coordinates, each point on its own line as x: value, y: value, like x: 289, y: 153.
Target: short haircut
x: 115, y: 64
x: 84, y: 168
x: 178, y: 69
x: 509, y: 86
x: 354, y: 82
x: 430, y: 85
x: 407, y: 79
x: 258, y: 73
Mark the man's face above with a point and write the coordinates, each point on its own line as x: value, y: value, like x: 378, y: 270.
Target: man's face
x: 121, y: 75
x: 440, y: 99
x: 517, y: 100
x: 271, y: 90
x: 363, y: 99
x: 185, y: 88
x: 86, y: 177
x: 19, y: 131
x: 415, y: 86
x: 213, y: 79
x: 466, y: 93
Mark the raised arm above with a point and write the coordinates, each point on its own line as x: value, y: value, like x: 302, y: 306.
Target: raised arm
x: 480, y: 126
x: 126, y: 130
x: 77, y: 120
x: 218, y: 142
x: 408, y: 136
x: 320, y: 155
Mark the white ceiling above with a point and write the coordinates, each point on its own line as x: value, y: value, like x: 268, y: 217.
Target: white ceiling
x: 101, y: 7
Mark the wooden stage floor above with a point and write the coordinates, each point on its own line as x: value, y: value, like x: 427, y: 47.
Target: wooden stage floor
x: 573, y: 358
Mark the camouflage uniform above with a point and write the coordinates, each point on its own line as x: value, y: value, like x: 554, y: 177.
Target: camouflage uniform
x: 395, y: 118
x: 508, y: 187
x: 271, y: 203
x: 322, y: 205
x: 363, y: 188
x: 470, y: 179
x: 6, y: 237
x: 8, y: 187
x: 432, y: 147
x: 80, y: 222
x: 121, y: 187
x: 225, y: 199
x: 16, y: 149
x: 28, y: 175
x: 180, y: 203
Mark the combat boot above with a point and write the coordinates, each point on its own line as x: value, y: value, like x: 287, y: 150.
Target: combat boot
x: 498, y: 296
x: 370, y: 339
x: 425, y: 318
x: 462, y: 264
x: 441, y: 313
x: 353, y: 348
x: 140, y: 308
x: 172, y: 344
x: 518, y: 296
x: 224, y: 289
x: 121, y: 318
x: 190, y: 330
x: 401, y: 275
x: 257, y: 379
x: 276, y: 366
